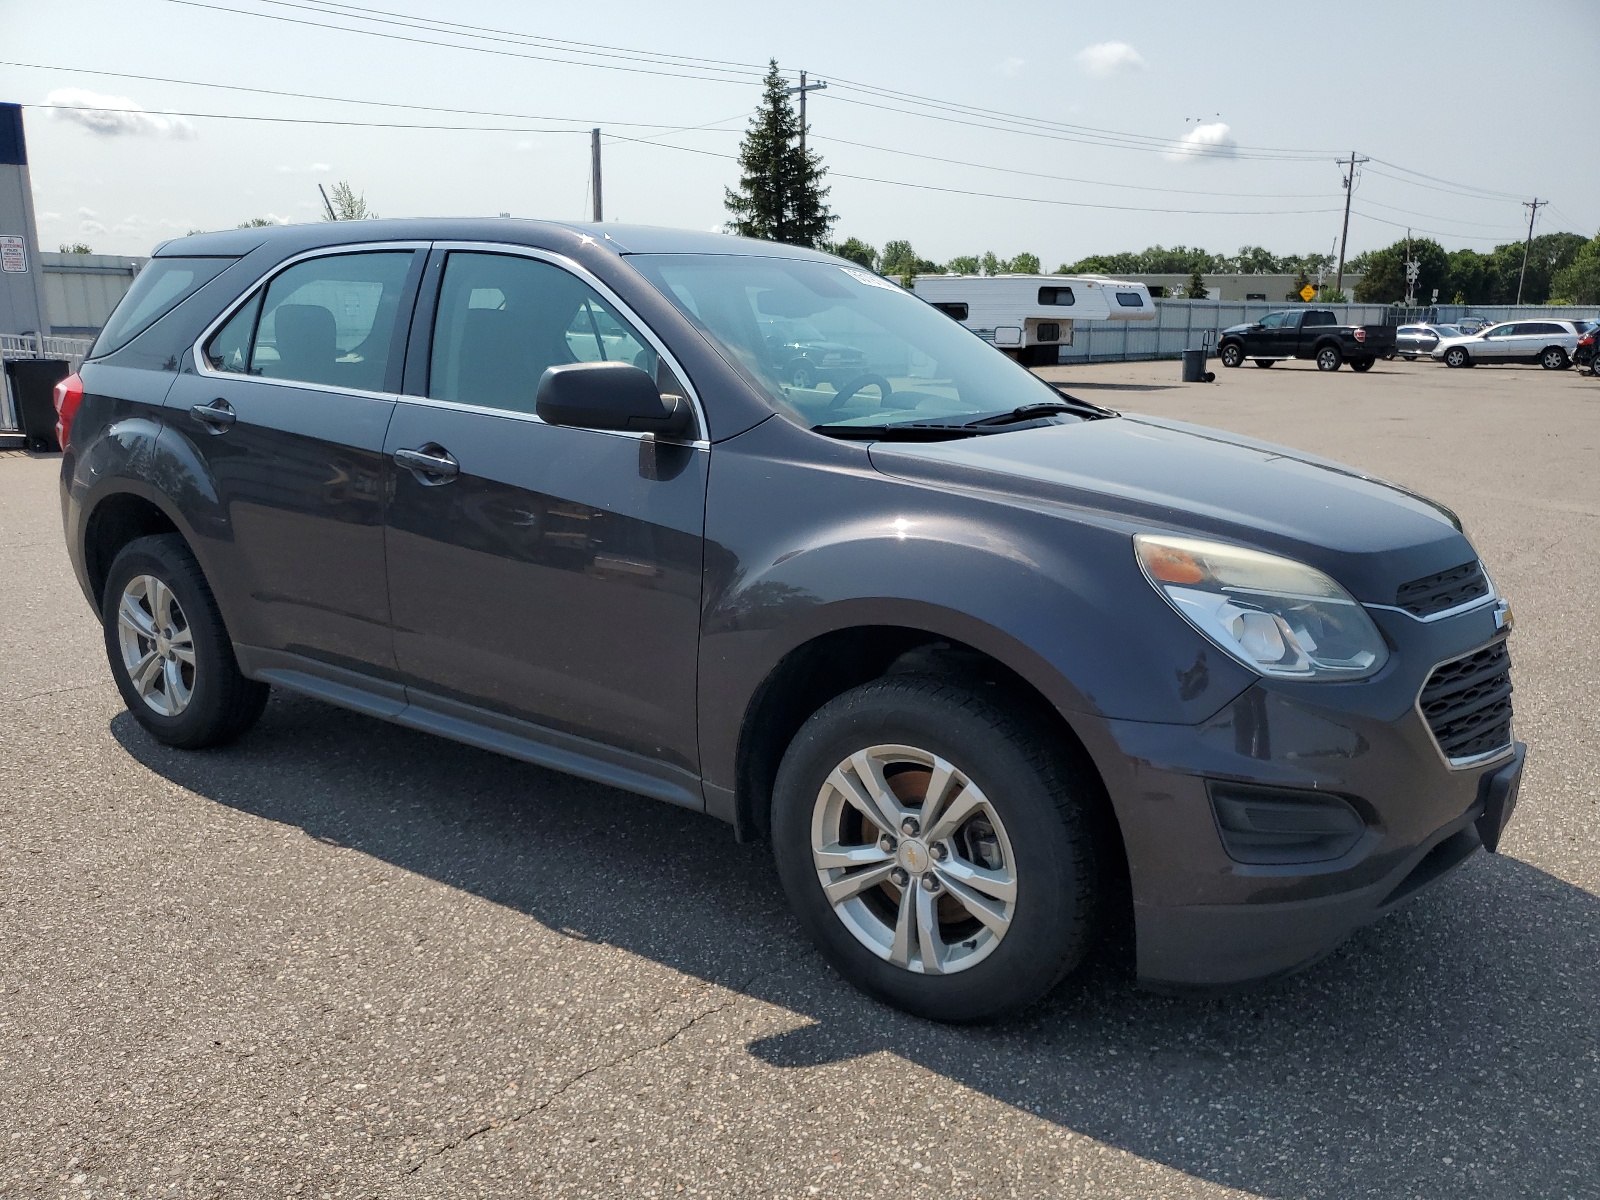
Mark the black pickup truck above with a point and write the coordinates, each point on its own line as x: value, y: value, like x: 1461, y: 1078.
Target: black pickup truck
x: 1306, y: 333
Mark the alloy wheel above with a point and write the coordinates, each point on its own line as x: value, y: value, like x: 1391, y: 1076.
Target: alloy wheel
x: 914, y: 859
x: 157, y: 645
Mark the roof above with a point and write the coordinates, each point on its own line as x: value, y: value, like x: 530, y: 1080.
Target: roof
x: 624, y: 239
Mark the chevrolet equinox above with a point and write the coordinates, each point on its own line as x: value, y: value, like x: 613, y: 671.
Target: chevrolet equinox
x: 990, y: 666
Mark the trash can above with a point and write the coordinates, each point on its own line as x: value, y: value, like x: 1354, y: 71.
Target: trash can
x: 1194, y: 366
x: 32, y: 382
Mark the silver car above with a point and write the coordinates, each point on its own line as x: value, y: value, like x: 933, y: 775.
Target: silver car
x: 1548, y: 343
x: 1412, y: 342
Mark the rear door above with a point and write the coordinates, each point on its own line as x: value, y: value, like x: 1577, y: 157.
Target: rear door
x: 287, y: 413
x: 545, y: 575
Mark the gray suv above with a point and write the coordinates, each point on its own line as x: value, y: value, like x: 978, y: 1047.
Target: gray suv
x: 991, y: 667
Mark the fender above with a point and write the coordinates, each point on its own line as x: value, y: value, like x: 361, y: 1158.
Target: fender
x: 1053, y: 595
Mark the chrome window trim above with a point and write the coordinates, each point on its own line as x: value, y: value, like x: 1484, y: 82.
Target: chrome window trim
x: 606, y: 294
x: 205, y: 369
x: 1475, y: 760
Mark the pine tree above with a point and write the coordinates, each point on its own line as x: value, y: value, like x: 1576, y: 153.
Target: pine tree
x: 780, y: 196
x: 1197, y: 286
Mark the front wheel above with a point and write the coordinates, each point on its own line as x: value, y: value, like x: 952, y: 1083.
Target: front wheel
x: 1329, y: 358
x: 1554, y: 359
x: 1456, y: 357
x: 935, y: 849
x: 1361, y: 364
x: 169, y: 651
x: 1231, y: 354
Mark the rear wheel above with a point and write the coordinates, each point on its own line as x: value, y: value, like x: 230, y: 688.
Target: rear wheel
x: 1263, y: 362
x: 1456, y: 357
x: 1361, y: 364
x: 1554, y: 358
x: 1329, y: 358
x: 169, y: 651
x: 937, y: 852
x: 802, y: 376
x: 1231, y: 354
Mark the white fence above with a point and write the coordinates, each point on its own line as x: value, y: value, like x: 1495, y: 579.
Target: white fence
x: 1183, y: 324
x: 32, y: 345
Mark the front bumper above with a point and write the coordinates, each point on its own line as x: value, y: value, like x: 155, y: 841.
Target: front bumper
x: 1204, y: 919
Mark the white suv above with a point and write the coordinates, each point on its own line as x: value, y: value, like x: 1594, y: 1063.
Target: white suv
x: 1546, y: 342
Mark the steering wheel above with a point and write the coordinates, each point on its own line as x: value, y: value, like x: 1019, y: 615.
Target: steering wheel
x: 848, y: 391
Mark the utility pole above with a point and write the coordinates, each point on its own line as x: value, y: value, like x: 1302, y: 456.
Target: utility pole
x: 1533, y: 206
x: 325, y: 202
x: 594, y: 173
x: 802, y: 90
x: 1344, y: 237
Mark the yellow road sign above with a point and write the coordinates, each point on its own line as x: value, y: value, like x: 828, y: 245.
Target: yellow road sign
x: 1307, y: 292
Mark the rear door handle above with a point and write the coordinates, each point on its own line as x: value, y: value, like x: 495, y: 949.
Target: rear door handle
x: 431, y: 464
x: 217, y: 417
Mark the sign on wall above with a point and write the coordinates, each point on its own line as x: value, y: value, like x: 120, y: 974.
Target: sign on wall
x: 13, y: 253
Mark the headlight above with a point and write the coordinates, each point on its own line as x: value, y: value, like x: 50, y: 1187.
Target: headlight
x: 1275, y: 615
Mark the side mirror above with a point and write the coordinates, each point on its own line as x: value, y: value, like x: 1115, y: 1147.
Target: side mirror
x: 610, y: 395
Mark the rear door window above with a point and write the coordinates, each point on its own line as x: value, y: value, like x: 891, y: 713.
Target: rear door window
x: 332, y: 320
x: 161, y: 286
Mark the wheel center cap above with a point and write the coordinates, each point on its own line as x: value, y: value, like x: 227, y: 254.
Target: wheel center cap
x: 913, y: 855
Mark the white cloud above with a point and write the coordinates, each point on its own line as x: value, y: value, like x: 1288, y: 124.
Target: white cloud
x: 1104, y: 59
x: 114, y: 116
x: 92, y: 227
x: 87, y: 212
x: 1013, y: 66
x: 1215, y: 140
x: 529, y: 144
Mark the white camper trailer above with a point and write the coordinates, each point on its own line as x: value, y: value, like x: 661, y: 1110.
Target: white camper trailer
x: 1028, y: 316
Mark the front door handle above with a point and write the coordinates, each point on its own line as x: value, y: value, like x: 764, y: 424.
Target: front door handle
x: 431, y: 464
x: 217, y: 417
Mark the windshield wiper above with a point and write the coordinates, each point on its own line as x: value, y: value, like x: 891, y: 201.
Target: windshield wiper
x: 910, y: 431
x: 1044, y: 408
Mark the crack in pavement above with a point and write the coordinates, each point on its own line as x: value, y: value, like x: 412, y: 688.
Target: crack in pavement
x: 490, y: 1126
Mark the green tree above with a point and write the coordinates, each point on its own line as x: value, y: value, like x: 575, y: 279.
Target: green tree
x: 347, y: 206
x: 75, y: 248
x: 899, y: 259
x: 1333, y: 295
x: 257, y: 223
x: 1301, y: 282
x: 780, y: 196
x: 992, y: 265
x: 855, y: 250
x: 1197, y: 286
x: 1579, y: 281
x: 1023, y: 264
x: 1385, y: 279
x: 1549, y: 253
x: 964, y: 264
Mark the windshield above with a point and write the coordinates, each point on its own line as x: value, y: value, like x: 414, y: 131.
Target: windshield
x: 1445, y: 331
x: 836, y: 345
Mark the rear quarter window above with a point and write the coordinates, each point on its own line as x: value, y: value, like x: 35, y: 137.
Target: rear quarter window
x: 161, y: 286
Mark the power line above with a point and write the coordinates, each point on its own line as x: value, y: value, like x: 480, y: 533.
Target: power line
x: 1467, y: 237
x: 168, y: 112
x: 1487, y: 192
x: 464, y: 112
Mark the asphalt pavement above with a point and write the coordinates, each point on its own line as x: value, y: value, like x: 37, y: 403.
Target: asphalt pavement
x: 341, y: 958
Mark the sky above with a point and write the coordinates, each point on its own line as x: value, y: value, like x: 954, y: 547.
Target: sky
x: 1062, y: 129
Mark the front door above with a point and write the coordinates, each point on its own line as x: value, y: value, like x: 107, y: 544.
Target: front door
x: 1499, y: 345
x: 547, y: 574
x: 288, y: 412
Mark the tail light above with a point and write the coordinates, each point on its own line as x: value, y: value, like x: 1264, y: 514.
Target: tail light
x: 67, y: 396
x: 1588, y: 338
x: 1361, y: 334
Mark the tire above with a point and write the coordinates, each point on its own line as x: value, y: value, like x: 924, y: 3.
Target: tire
x: 1032, y: 824
x: 1361, y: 364
x: 1329, y: 358
x: 1457, y: 357
x: 802, y: 376
x: 1554, y: 358
x: 204, y: 701
x: 1264, y: 363
x: 1231, y: 354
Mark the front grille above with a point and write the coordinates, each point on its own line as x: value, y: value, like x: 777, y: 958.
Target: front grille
x: 1448, y: 589
x: 1467, y: 703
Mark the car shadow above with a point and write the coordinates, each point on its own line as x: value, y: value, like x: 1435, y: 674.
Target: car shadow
x: 1453, y: 1048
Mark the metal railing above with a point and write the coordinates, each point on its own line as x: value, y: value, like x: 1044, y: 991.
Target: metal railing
x: 33, y: 345
x: 1182, y: 324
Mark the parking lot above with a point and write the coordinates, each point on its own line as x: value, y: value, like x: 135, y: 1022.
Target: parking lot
x: 342, y: 958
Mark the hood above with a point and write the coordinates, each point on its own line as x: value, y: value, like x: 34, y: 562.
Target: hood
x: 1248, y: 325
x: 1164, y: 475
x: 1460, y: 339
